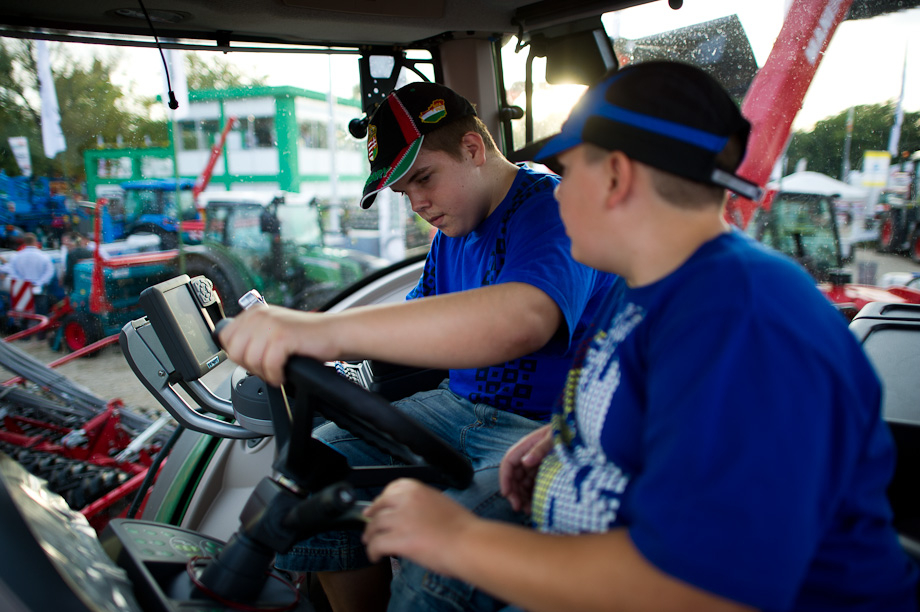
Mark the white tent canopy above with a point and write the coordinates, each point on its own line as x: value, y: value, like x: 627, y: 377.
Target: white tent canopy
x: 815, y: 182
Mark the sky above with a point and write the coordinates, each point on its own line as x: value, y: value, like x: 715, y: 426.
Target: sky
x: 863, y: 64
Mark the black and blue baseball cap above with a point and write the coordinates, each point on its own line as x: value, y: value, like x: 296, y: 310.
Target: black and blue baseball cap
x: 668, y: 115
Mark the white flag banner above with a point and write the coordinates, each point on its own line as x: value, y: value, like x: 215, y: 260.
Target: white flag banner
x: 20, y: 148
x: 176, y: 62
x: 52, y: 135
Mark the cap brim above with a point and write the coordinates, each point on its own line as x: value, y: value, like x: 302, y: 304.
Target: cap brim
x: 545, y: 150
x: 532, y: 152
x: 400, y: 166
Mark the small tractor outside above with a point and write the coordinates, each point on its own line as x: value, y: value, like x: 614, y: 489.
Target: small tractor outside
x: 28, y: 203
x: 106, y: 288
x: 804, y: 226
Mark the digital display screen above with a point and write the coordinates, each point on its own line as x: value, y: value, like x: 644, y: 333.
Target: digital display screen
x: 183, y: 327
x: 191, y: 324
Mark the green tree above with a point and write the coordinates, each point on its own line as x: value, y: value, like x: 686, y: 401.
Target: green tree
x: 92, y: 108
x: 823, y: 146
x: 216, y: 74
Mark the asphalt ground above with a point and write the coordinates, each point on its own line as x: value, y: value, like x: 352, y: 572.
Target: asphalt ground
x: 106, y: 375
x: 867, y: 262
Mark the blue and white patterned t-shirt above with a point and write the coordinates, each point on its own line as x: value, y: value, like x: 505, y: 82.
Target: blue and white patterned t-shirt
x: 728, y: 418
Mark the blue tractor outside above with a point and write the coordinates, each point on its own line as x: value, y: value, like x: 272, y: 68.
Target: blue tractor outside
x: 150, y: 206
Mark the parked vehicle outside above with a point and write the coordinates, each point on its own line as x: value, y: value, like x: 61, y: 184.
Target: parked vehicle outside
x: 274, y: 243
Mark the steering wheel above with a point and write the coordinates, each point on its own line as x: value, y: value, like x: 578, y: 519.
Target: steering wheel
x: 373, y: 419
x: 368, y: 416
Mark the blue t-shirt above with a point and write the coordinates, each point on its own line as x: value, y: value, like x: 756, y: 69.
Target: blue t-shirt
x: 523, y: 240
x: 729, y: 419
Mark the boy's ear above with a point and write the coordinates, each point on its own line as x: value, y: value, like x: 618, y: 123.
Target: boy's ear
x: 619, y: 176
x: 472, y: 145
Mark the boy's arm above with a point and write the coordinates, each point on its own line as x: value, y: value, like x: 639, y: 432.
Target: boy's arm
x: 469, y: 329
x: 531, y: 570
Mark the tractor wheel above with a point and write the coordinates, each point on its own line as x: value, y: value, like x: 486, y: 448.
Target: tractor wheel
x: 228, y: 290
x: 915, y: 245
x: 80, y: 329
x: 886, y: 234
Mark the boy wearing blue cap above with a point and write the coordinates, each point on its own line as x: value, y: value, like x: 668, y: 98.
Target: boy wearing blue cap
x: 501, y: 304
x: 719, y: 445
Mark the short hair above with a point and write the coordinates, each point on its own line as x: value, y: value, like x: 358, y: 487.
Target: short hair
x: 447, y: 138
x: 29, y: 239
x: 74, y: 237
x: 675, y: 190
x: 686, y: 193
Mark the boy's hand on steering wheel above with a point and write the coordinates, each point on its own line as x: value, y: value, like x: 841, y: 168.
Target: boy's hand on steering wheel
x: 263, y: 338
x: 520, y: 465
x: 412, y: 520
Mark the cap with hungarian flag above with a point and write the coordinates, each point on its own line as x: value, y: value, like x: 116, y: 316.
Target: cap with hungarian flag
x: 398, y: 127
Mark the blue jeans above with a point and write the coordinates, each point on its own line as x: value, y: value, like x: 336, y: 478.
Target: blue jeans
x: 480, y: 432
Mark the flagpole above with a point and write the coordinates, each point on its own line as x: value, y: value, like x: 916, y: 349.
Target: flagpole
x: 847, y: 144
x: 895, y: 136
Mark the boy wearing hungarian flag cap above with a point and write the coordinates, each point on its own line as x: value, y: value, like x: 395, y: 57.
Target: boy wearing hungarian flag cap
x: 501, y: 305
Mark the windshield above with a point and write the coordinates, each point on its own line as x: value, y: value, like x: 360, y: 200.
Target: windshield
x: 300, y: 224
x: 244, y: 230
x: 156, y: 201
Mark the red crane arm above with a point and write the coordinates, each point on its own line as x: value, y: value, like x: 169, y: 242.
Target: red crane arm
x: 777, y: 92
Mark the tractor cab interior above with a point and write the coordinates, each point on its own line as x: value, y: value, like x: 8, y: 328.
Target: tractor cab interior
x: 234, y: 490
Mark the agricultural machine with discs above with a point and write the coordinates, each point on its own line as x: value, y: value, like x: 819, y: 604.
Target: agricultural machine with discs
x: 96, y: 454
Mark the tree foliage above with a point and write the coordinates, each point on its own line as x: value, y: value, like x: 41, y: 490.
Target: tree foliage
x: 823, y: 146
x: 17, y: 117
x: 216, y: 74
x: 93, y: 107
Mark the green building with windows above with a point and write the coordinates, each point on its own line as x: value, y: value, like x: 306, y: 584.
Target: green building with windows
x: 283, y: 139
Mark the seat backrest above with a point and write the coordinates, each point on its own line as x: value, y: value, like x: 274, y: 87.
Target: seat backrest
x: 890, y: 335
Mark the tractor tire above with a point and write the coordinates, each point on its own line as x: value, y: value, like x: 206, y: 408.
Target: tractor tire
x: 914, y: 248
x: 228, y: 290
x: 80, y: 329
x: 887, y: 231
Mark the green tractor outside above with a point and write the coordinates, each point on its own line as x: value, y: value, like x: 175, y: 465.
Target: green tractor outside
x: 275, y: 244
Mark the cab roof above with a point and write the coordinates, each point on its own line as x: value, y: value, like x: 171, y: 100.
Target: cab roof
x: 301, y: 22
